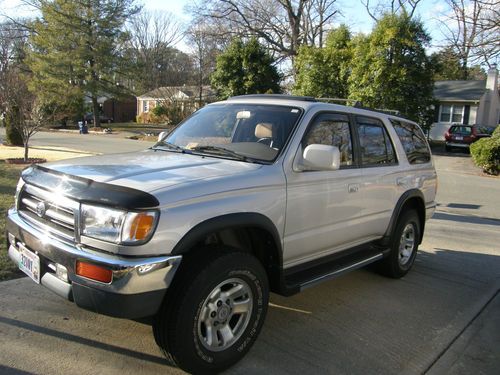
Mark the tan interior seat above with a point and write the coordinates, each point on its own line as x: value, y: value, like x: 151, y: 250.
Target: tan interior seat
x: 264, y: 130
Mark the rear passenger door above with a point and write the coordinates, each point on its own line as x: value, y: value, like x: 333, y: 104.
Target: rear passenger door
x: 380, y: 170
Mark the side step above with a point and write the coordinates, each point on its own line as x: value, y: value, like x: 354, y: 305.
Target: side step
x: 298, y: 279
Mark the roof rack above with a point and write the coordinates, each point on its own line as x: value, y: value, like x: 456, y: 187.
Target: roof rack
x: 275, y: 96
x: 355, y: 103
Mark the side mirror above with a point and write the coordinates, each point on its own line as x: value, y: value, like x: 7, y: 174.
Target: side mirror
x: 321, y: 157
x: 161, y: 135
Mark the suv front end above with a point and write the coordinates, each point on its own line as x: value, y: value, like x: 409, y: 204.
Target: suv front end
x: 55, y: 239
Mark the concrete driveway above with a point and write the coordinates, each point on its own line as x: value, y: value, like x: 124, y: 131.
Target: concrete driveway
x: 443, y: 317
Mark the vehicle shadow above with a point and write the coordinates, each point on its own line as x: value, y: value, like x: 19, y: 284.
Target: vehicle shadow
x: 6, y: 370
x: 82, y: 340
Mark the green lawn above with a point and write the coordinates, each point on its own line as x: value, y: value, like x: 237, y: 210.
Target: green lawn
x: 9, y: 174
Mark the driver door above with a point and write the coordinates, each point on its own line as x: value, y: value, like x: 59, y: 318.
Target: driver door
x: 324, y: 208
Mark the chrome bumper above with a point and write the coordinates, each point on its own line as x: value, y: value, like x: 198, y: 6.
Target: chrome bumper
x: 141, y: 282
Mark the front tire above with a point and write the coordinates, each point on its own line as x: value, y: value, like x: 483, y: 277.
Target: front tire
x: 214, y: 311
x: 404, y: 246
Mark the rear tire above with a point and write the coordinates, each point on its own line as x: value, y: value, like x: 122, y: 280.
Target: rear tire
x: 213, y: 311
x: 404, y: 246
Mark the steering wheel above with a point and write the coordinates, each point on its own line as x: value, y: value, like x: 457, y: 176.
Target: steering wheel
x: 267, y: 141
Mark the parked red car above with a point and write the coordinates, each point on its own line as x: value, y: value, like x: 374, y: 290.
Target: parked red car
x: 462, y: 136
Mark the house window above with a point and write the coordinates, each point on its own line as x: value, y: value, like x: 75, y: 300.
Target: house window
x: 457, y: 113
x: 145, y: 106
x: 452, y: 113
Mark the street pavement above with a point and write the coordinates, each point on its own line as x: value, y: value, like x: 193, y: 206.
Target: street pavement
x: 96, y: 143
x: 442, y: 318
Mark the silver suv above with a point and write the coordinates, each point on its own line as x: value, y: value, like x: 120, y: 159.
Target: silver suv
x: 254, y: 194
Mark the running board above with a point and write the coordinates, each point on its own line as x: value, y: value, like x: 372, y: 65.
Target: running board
x: 340, y: 271
x: 309, y: 274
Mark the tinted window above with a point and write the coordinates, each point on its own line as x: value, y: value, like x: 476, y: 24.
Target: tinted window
x: 413, y: 141
x: 331, y: 129
x: 376, y: 148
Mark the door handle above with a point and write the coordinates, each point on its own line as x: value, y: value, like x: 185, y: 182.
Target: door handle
x: 353, y: 188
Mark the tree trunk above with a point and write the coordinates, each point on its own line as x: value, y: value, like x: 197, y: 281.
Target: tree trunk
x: 95, y: 106
x: 26, y: 148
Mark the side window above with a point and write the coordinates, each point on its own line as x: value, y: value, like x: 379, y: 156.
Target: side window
x: 331, y: 129
x: 413, y: 141
x: 376, y: 147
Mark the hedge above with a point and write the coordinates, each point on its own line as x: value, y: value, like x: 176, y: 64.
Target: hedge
x: 486, y: 153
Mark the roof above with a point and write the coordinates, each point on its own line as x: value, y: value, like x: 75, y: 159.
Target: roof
x: 179, y: 92
x: 459, y: 90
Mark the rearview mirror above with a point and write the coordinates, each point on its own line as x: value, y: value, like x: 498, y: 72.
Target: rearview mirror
x: 161, y: 135
x: 321, y: 157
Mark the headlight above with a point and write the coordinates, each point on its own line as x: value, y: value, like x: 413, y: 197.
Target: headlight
x: 117, y: 226
x: 19, y: 186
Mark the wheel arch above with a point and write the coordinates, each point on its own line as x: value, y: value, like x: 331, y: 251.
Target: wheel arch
x: 411, y: 199
x: 247, y: 231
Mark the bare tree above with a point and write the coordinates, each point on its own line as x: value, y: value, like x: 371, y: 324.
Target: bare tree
x: 472, y: 29
x: 25, y: 112
x: 154, y: 35
x: 376, y: 9
x: 12, y: 42
x: 317, y: 21
x: 284, y: 25
x: 205, y: 43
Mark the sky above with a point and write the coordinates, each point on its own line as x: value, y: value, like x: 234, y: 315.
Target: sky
x: 352, y: 12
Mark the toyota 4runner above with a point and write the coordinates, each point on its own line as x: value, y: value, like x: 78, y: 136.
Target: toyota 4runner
x: 254, y: 194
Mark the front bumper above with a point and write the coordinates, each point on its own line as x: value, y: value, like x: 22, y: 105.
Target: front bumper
x: 457, y: 144
x: 136, y: 290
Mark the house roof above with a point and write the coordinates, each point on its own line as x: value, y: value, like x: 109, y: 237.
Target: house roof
x: 459, y: 90
x: 179, y: 92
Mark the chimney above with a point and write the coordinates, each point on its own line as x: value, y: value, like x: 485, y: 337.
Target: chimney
x: 492, y: 79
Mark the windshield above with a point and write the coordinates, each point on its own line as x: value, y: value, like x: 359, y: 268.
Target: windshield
x: 247, y: 132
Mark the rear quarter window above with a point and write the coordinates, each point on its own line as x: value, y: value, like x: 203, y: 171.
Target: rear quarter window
x: 413, y: 141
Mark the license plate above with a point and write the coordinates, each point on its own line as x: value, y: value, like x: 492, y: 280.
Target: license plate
x: 459, y: 138
x: 29, y: 263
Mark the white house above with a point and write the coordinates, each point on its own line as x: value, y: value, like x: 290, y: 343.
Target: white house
x: 466, y: 102
x: 174, y: 95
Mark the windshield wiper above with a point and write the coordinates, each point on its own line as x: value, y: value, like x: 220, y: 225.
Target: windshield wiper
x: 168, y: 145
x: 216, y: 150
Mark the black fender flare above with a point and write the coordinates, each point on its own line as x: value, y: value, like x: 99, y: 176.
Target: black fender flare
x: 407, y: 195
x: 234, y: 220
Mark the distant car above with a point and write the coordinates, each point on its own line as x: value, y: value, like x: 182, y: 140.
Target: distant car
x: 89, y: 118
x: 462, y: 136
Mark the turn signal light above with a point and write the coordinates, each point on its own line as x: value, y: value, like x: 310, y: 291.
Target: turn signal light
x: 141, y: 226
x: 93, y: 272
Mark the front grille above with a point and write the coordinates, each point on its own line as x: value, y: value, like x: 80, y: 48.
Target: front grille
x: 51, y: 211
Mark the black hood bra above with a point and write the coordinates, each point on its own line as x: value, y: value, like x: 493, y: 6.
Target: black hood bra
x: 85, y: 190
